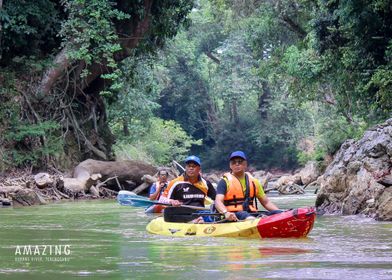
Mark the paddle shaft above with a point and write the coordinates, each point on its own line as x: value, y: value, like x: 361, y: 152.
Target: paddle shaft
x: 182, y: 205
x: 215, y: 214
x: 130, y: 198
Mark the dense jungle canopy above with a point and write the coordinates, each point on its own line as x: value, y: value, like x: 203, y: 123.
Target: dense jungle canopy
x: 285, y: 81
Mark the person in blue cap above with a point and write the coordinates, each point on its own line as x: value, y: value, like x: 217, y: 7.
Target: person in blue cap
x: 238, y: 190
x: 190, y: 188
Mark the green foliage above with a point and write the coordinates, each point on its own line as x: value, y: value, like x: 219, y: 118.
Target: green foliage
x: 160, y: 143
x: 33, y: 142
x: 353, y: 41
x: 136, y: 99
x: 28, y: 28
x: 260, y: 76
x: 185, y: 97
x: 95, y: 34
x: 88, y: 43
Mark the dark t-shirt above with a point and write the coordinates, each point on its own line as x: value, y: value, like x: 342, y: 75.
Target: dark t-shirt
x: 190, y: 195
x: 222, y: 187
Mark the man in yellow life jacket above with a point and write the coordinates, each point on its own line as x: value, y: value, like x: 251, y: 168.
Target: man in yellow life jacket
x: 237, y: 191
x: 190, y: 188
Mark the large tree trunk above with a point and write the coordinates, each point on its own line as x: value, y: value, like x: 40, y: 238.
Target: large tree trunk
x: 80, y: 107
x: 121, y: 173
x: 132, y: 31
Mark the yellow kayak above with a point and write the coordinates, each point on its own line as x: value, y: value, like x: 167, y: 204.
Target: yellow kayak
x: 291, y: 223
x: 238, y: 229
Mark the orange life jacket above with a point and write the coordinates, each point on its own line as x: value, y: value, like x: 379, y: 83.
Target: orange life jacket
x: 235, y: 196
x: 157, y: 183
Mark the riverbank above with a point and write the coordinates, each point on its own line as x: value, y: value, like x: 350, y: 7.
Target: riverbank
x: 22, y: 188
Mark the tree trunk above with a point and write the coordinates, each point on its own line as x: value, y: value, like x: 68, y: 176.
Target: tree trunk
x: 81, y: 107
x: 90, y: 171
x: 264, y: 100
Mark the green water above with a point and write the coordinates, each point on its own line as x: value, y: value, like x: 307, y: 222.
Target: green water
x: 106, y: 241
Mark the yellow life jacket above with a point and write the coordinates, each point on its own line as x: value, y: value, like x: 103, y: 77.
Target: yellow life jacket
x: 235, y: 199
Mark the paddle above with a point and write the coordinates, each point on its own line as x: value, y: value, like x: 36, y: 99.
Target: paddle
x: 184, y: 215
x: 131, y: 199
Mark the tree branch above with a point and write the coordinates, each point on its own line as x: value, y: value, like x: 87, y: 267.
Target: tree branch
x: 61, y: 61
x: 60, y: 64
x: 293, y: 26
x: 214, y: 58
x: 127, y: 43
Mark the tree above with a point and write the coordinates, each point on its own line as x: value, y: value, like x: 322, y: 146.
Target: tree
x: 66, y: 55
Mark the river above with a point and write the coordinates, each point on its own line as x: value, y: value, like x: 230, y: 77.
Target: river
x: 102, y: 240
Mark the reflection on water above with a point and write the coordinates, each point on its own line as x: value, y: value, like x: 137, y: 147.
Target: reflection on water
x: 272, y: 251
x: 110, y: 242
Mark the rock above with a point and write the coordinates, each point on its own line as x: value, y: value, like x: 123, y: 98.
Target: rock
x: 5, y: 202
x: 386, y: 180
x: 213, y: 178
x: 357, y: 180
x: 94, y: 191
x: 43, y: 180
x: 27, y: 197
x: 309, y: 173
x: 384, y: 206
x: 260, y: 174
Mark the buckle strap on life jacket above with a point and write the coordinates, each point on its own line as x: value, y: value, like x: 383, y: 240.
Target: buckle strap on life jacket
x: 233, y: 202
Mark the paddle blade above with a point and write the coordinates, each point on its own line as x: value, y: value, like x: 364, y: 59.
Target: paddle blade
x: 131, y: 199
x: 178, y: 214
x: 128, y: 198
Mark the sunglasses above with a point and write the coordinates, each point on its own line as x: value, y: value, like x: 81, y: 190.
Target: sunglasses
x: 237, y: 161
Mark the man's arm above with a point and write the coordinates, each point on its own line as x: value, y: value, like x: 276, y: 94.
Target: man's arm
x: 164, y: 197
x: 219, y: 201
x: 267, y: 204
x: 263, y: 198
x: 211, y: 193
x: 154, y: 191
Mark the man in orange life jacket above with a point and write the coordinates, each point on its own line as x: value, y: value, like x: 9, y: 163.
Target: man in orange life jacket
x: 190, y: 188
x: 237, y: 191
x: 159, y: 187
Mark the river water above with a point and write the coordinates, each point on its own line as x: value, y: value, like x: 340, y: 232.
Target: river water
x: 102, y: 240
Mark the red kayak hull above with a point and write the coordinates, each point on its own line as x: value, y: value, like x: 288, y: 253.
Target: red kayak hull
x: 292, y: 223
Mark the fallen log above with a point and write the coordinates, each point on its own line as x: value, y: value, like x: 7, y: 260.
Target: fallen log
x: 43, y: 180
x: 89, y: 171
x: 148, y: 181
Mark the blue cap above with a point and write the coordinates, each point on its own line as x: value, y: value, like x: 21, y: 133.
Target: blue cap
x: 193, y: 159
x: 239, y: 154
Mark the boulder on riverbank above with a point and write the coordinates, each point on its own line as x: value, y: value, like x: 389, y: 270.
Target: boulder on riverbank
x: 358, y: 179
x: 91, y: 179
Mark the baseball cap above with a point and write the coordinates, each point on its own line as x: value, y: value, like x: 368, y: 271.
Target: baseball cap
x: 193, y: 159
x: 239, y: 154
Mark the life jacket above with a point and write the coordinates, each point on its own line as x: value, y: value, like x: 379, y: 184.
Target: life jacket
x: 155, y: 209
x: 235, y: 198
x: 157, y: 183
